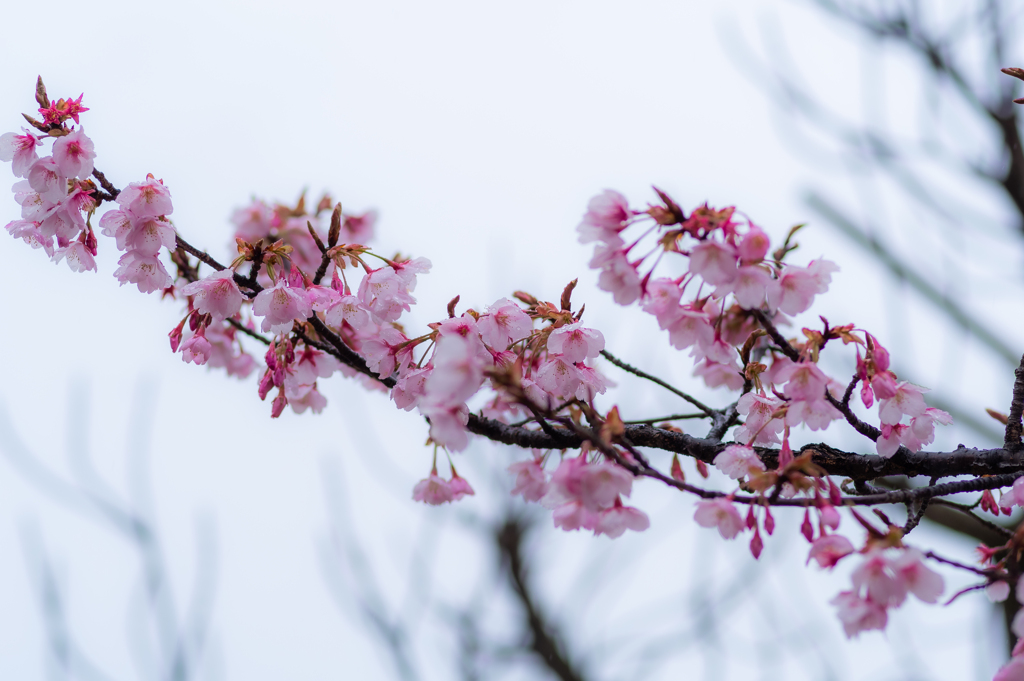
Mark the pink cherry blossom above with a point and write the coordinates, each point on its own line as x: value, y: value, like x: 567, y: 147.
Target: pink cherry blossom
x: 19, y: 149
x: 358, y: 229
x: 1014, y: 496
x: 280, y: 307
x: 147, y: 199
x: 117, y: 224
x: 433, y: 490
x: 691, y: 327
x: 410, y: 387
x: 29, y: 232
x: 216, y: 294
x: 715, y: 262
x: 226, y: 352
x: 759, y: 427
x: 795, y: 291
x: 909, y: 400
x: 408, y: 270
x: 617, y: 519
x: 303, y: 396
x: 661, y: 299
x: 458, y: 371
x: 253, y: 222
x: 997, y: 591
x: 146, y: 271
x: 827, y: 550
x: 531, y: 482
x: 348, y: 309
x: 598, y: 485
x: 606, y: 216
x: 573, y: 515
x: 47, y: 180
x: 196, y: 349
x: 504, y: 323
x: 147, y: 236
x: 721, y: 513
x: 919, y: 579
x: 754, y: 246
x: 385, y: 295
x: 618, y: 276
x: 459, y: 487
x: 74, y: 153
x: 575, y: 342
x: 558, y: 377
x: 716, y: 375
x: 1013, y: 670
x: 751, y: 286
x: 78, y: 257
x: 738, y: 461
x: 448, y: 425
x: 859, y: 614
x: 878, y: 578
x: 592, y: 383
x: 381, y: 350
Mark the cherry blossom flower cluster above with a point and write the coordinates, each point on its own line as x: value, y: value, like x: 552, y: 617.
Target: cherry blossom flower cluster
x: 56, y: 194
x: 304, y: 282
x: 582, y: 493
x: 716, y: 310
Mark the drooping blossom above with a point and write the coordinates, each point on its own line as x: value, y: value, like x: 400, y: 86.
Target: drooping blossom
x: 145, y: 271
x: 617, y: 519
x: 606, y: 216
x: 459, y: 487
x: 433, y: 490
x: 859, y: 614
x: 216, y: 294
x: 618, y: 276
x: 827, y: 550
x: 78, y: 255
x: 196, y: 348
x: 719, y: 512
x: 738, y: 461
x: 531, y: 482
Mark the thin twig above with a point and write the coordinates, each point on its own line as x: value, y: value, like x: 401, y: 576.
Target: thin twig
x: 654, y: 379
x: 1013, y: 421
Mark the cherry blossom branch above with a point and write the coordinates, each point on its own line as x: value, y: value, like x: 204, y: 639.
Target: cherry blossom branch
x: 664, y: 419
x: 1013, y: 420
x: 970, y: 568
x: 544, y: 639
x: 205, y: 258
x: 966, y: 510
x: 773, y: 333
x: 711, y: 413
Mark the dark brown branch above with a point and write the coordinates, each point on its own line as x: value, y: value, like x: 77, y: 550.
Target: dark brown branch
x: 654, y: 379
x: 998, y: 529
x: 962, y: 461
x: 774, y: 334
x: 1013, y: 421
x: 544, y: 640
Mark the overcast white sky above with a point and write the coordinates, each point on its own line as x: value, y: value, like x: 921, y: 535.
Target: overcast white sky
x: 479, y: 131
